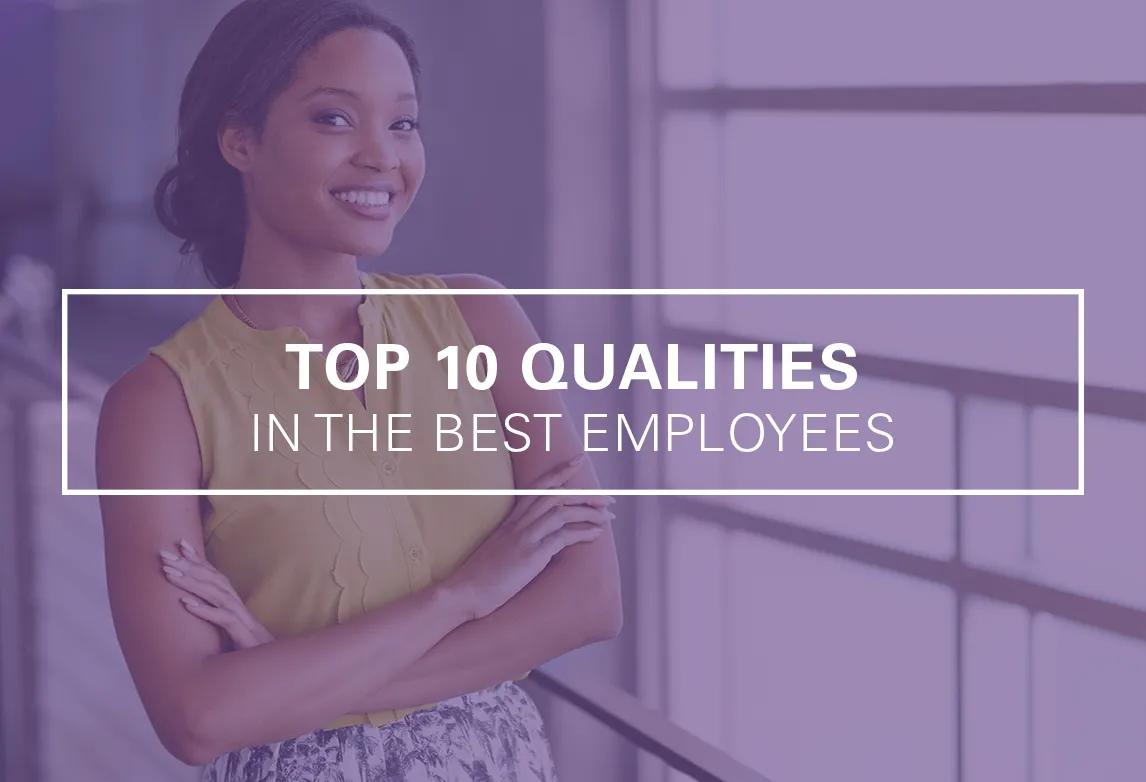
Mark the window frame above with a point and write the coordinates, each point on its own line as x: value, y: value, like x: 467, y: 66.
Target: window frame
x: 650, y: 105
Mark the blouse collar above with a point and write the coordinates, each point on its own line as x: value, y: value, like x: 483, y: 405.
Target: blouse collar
x: 217, y: 312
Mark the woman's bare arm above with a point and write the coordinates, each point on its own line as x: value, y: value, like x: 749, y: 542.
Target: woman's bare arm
x: 202, y: 702
x: 563, y: 609
x: 575, y: 601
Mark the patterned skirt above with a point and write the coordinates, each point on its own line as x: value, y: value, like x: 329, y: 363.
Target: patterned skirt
x: 493, y: 735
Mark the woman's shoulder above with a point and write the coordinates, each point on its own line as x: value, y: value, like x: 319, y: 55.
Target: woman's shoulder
x: 161, y: 383
x: 495, y: 320
x: 154, y: 411
x: 149, y: 389
x: 156, y: 383
x: 146, y: 431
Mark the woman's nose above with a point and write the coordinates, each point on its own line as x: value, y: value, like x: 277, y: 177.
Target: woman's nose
x: 380, y: 154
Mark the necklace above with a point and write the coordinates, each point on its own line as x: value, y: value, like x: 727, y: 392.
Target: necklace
x: 346, y: 367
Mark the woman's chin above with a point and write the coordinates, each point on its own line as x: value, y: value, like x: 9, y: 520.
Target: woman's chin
x: 369, y: 246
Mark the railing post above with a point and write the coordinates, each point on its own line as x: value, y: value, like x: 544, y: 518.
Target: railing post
x: 19, y: 739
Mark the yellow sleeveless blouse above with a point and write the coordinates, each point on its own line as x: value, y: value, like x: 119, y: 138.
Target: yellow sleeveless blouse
x: 302, y: 562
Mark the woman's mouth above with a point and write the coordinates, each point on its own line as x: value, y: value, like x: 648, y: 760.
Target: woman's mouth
x: 373, y: 204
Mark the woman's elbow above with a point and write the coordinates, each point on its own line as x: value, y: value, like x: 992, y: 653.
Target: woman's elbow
x: 605, y: 618
x: 191, y: 754
x: 186, y: 737
x: 186, y: 747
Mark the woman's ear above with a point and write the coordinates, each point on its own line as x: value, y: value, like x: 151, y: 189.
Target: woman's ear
x: 235, y: 144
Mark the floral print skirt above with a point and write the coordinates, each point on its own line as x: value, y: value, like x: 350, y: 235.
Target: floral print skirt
x: 493, y: 735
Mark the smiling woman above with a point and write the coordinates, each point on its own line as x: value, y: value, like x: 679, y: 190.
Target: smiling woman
x: 312, y: 636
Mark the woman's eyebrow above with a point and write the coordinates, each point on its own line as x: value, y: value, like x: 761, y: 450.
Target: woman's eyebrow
x: 405, y: 96
x: 331, y: 91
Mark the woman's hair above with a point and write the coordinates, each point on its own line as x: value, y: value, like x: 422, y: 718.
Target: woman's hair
x: 250, y: 57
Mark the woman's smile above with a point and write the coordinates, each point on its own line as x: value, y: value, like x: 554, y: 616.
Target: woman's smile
x: 371, y: 204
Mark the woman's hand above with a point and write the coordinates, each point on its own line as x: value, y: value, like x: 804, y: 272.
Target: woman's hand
x: 532, y: 533
x: 212, y: 597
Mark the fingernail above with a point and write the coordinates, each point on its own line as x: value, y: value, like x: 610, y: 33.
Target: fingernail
x: 611, y: 515
x: 189, y: 601
x: 172, y: 571
x: 186, y: 546
x: 168, y: 555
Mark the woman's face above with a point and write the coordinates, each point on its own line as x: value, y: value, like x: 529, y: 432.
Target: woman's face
x: 340, y: 159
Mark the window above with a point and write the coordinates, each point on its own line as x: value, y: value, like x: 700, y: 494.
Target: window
x: 978, y: 144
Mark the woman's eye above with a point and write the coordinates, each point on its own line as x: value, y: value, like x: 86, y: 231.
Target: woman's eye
x: 327, y: 119
x: 406, y: 125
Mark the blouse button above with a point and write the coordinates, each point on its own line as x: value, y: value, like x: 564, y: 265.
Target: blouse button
x: 389, y: 468
x: 415, y: 553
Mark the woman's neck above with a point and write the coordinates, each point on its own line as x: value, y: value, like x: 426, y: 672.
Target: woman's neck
x: 322, y: 317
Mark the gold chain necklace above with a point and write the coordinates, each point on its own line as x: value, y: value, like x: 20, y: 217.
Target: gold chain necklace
x: 346, y: 367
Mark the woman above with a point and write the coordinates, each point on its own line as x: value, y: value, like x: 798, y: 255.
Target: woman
x: 333, y: 636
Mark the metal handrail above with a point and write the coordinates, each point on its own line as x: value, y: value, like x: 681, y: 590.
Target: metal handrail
x: 1124, y: 403
x: 1095, y: 98
x: 993, y: 583
x: 646, y: 728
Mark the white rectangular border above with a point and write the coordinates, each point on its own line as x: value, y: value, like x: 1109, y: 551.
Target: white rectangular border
x: 1079, y: 293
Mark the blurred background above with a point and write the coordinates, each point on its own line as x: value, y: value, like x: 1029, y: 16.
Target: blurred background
x: 671, y: 143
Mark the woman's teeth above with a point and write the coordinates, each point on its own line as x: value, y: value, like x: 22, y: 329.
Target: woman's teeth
x: 363, y: 197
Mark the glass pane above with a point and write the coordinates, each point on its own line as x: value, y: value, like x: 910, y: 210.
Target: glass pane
x: 687, y: 43
x: 996, y: 670
x: 1089, y: 703
x: 1034, y: 336
x: 1093, y: 544
x: 1051, y: 429
x: 690, y: 217
x: 923, y: 525
x: 994, y: 454
x: 689, y: 466
x: 695, y: 646
x: 841, y: 671
x: 650, y: 768
x: 818, y: 200
x: 775, y: 43
x: 758, y: 439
